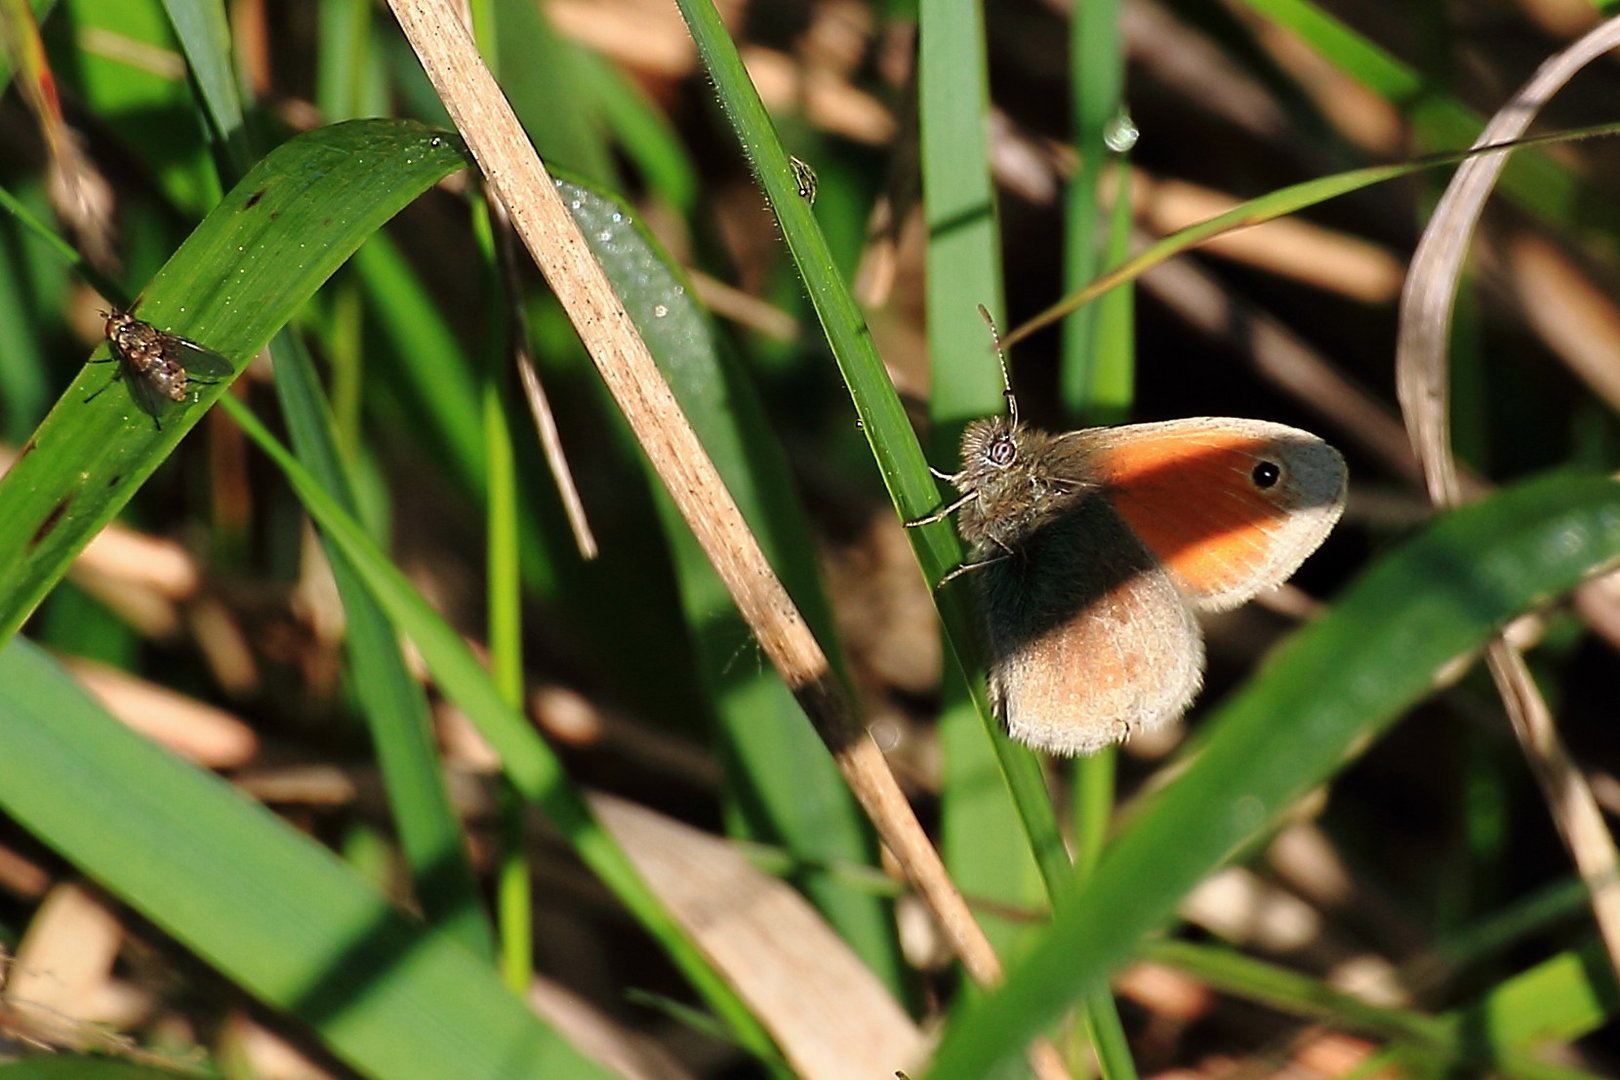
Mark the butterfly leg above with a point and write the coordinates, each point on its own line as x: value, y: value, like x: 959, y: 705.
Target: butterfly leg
x: 941, y: 515
x: 965, y: 568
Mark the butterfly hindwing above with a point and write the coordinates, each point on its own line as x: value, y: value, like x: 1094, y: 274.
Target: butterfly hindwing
x: 1089, y: 639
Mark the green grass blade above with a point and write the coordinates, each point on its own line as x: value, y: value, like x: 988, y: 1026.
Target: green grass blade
x: 785, y: 790
x: 205, y: 37
x: 899, y: 458
x: 1338, y: 681
x: 527, y: 761
x: 240, y: 275
x: 429, y: 358
x: 349, y: 81
x: 394, y: 703
x: 538, y: 68
x: 1533, y: 181
x: 1095, y: 378
x: 395, y: 706
x: 1090, y: 380
x: 273, y: 911
x: 644, y: 133
x: 71, y: 1067
x: 153, y: 110
x: 1439, y: 1038
x: 963, y: 271
x: 1269, y: 207
x: 1560, y: 999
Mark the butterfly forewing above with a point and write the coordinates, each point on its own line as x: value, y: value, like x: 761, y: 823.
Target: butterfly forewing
x: 1228, y: 507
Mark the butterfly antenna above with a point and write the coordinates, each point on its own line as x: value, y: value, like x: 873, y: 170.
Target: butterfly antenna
x: 1006, y: 379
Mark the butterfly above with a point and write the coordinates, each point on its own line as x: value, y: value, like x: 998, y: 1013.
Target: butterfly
x: 1094, y: 550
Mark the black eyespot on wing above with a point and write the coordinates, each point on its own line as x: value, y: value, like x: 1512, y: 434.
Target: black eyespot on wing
x: 1266, y: 474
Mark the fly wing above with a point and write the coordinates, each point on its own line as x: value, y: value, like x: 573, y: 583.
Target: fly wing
x: 197, y: 360
x: 1089, y: 639
x: 148, y: 396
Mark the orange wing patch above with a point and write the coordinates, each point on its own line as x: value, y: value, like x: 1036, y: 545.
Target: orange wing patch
x: 1227, y: 511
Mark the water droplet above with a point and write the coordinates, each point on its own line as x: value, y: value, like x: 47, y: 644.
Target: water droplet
x: 659, y: 311
x: 1121, y: 134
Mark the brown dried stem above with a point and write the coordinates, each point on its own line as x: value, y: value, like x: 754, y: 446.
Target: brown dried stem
x: 543, y: 223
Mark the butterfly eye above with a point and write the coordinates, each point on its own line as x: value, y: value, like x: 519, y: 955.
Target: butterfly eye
x: 1266, y: 474
x: 1002, y: 451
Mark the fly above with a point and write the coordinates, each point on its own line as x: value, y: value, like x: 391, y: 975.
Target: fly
x: 161, y: 366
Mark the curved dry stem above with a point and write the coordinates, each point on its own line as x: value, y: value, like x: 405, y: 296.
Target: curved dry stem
x: 1422, y: 382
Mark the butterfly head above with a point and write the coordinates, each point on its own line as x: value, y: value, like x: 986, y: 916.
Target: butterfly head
x: 991, y: 446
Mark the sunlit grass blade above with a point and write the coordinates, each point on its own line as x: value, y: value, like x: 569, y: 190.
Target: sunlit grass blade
x: 1535, y: 181
x: 273, y: 911
x: 1439, y: 1039
x: 1337, y: 682
x: 899, y: 457
x: 1562, y: 998
x: 525, y: 758
x: 784, y: 788
x: 1270, y: 206
x: 240, y: 275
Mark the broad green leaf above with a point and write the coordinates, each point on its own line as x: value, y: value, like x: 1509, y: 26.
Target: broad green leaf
x: 1337, y: 682
x: 65, y: 1067
x: 1455, y: 1040
x: 784, y: 788
x: 526, y: 760
x: 275, y: 912
x: 239, y: 277
x: 244, y: 271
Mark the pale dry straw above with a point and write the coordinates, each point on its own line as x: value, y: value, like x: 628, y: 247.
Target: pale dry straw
x: 514, y: 172
x: 1422, y: 382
